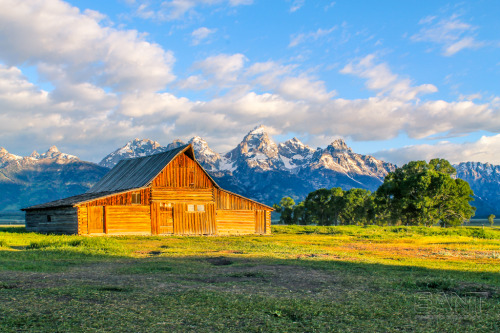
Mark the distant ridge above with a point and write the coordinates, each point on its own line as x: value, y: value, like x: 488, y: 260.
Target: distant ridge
x: 257, y: 168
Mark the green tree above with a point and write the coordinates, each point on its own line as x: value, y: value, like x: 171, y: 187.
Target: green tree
x: 336, y: 204
x: 299, y: 214
x: 491, y: 219
x: 356, y: 207
x: 420, y: 193
x: 319, y: 207
x: 285, y: 208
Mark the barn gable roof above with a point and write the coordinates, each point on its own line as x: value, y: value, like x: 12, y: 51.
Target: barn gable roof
x: 130, y: 174
x: 138, y: 172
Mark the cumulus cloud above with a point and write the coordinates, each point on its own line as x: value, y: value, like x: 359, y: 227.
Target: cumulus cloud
x: 56, y: 34
x: 201, y: 34
x: 380, y: 78
x: 451, y: 33
x: 109, y: 85
x: 223, y: 67
x: 32, y: 117
x: 486, y: 149
x: 94, y: 70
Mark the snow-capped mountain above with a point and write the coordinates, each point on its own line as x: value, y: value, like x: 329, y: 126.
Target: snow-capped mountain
x: 294, y: 153
x: 134, y: 148
x: 484, y: 180
x: 257, y: 168
x: 261, y: 169
x: 210, y: 160
x: 53, y: 155
x: 39, y: 178
x: 256, y: 151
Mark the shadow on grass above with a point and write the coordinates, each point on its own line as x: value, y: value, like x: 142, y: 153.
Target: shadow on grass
x: 83, y: 255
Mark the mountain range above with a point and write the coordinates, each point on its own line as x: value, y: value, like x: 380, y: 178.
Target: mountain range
x: 38, y: 178
x: 257, y: 168
x: 265, y: 171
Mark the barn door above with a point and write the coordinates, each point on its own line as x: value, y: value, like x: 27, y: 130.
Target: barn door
x: 260, y: 221
x: 165, y: 224
x: 96, y: 220
x: 194, y: 219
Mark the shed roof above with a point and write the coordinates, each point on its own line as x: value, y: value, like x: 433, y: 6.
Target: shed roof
x: 71, y: 201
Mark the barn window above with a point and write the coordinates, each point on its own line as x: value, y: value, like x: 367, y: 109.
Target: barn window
x: 49, y: 218
x: 136, y: 198
x: 190, y: 208
x: 200, y: 208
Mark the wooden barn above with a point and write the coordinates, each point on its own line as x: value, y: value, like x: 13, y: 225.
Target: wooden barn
x: 162, y: 194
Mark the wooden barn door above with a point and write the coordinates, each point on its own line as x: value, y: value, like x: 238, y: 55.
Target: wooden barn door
x: 260, y: 221
x: 194, y: 219
x: 96, y: 220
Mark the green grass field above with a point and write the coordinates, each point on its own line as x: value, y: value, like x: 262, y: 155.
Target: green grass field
x: 300, y: 279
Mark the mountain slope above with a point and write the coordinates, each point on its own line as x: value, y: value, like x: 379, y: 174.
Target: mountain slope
x: 34, y: 179
x: 257, y: 168
x: 484, y: 180
x: 134, y: 148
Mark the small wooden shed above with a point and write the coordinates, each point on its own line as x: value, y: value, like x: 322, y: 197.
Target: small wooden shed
x: 161, y: 194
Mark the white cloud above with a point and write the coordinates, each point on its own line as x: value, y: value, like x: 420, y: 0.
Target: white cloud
x: 304, y: 88
x: 314, y: 35
x: 380, y: 78
x: 296, y: 5
x: 171, y: 10
x: 451, y: 33
x: 163, y: 106
x: 454, y: 118
x: 223, y: 67
x: 110, y: 85
x: 281, y: 79
x: 36, y: 32
x: 201, y: 34
x: 486, y: 149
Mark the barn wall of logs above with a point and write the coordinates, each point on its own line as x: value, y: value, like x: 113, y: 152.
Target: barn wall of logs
x: 62, y: 220
x: 181, y: 200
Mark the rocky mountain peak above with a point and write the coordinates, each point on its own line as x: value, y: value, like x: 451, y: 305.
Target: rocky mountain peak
x: 53, y: 149
x: 54, y: 154
x: 261, y: 129
x: 34, y: 154
x: 257, y: 141
x: 294, y: 146
x: 133, y: 148
x: 201, y: 148
x: 206, y: 156
x: 256, y: 150
x: 175, y: 144
x: 340, y: 146
x: 6, y: 157
x: 139, y: 143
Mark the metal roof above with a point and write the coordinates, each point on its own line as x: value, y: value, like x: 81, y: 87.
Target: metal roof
x: 71, y: 201
x: 135, y: 172
x: 130, y: 174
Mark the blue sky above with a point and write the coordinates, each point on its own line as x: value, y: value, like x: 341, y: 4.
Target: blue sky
x: 401, y: 80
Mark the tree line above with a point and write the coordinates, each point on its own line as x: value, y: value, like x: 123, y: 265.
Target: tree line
x: 418, y: 193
